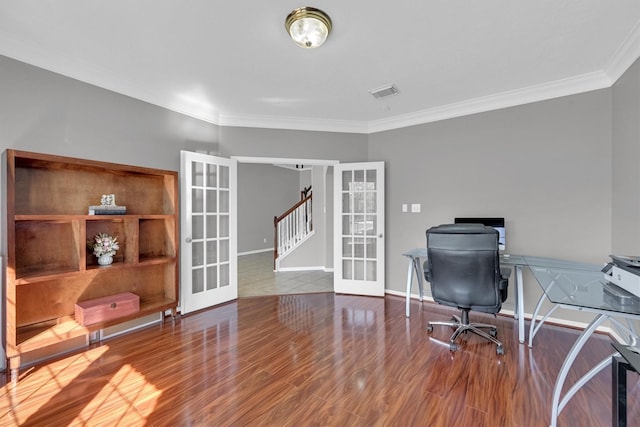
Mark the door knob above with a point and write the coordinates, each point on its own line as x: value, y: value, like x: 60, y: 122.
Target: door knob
x: 188, y: 240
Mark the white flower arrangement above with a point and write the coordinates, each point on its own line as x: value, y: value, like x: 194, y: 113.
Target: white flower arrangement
x: 105, y: 245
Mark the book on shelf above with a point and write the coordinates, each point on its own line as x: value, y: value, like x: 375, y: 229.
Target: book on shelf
x: 107, y: 210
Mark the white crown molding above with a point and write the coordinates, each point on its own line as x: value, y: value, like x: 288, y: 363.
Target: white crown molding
x: 620, y: 61
x: 625, y: 55
x: 292, y: 123
x: 556, y: 89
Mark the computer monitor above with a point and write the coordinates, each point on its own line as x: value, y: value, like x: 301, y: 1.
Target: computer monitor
x: 497, y: 223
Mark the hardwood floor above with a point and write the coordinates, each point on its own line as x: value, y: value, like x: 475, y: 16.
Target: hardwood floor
x: 312, y: 360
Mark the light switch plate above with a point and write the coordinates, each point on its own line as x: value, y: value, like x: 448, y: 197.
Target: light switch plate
x: 405, y: 208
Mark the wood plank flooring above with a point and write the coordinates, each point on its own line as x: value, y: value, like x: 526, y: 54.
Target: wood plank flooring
x: 312, y: 360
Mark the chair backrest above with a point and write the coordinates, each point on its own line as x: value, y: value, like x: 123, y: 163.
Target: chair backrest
x: 464, y: 266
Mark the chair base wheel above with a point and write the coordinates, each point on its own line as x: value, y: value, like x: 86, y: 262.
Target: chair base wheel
x: 453, y: 346
x: 493, y: 332
x: 429, y: 328
x: 500, y: 350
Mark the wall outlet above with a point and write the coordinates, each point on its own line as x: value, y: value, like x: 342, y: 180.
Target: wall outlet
x: 264, y: 240
x: 415, y: 207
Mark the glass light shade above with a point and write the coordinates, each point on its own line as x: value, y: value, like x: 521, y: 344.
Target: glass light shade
x: 308, y: 27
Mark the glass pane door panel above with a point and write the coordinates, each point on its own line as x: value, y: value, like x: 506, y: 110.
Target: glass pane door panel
x: 371, y: 248
x: 197, y: 201
x: 347, y: 269
x: 347, y: 247
x: 358, y: 270
x: 347, y: 229
x: 197, y: 174
x: 346, y: 203
x: 224, y: 250
x: 346, y: 180
x: 212, y: 176
x: 224, y: 275
x: 212, y: 200
x: 359, y: 225
x: 197, y: 281
x: 212, y: 226
x: 224, y: 201
x: 371, y: 270
x: 212, y: 277
x: 372, y: 179
x: 212, y: 252
x: 371, y: 202
x: 197, y: 254
x: 224, y: 225
x: 358, y: 202
x: 371, y: 225
x: 197, y: 231
x: 224, y: 177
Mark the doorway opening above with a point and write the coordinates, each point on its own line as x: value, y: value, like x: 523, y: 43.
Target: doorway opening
x: 266, y: 187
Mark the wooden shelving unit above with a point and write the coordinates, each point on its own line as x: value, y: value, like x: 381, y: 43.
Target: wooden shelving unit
x: 49, y: 264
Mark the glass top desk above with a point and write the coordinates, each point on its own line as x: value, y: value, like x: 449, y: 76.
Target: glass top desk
x: 580, y: 287
x: 418, y: 255
x: 568, y: 285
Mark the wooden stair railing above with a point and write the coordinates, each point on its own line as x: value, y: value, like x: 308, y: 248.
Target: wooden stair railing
x: 292, y: 226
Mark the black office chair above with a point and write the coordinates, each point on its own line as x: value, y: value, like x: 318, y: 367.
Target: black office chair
x: 463, y: 267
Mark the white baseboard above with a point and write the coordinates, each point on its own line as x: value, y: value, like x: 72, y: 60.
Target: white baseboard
x: 257, y: 251
x: 307, y: 268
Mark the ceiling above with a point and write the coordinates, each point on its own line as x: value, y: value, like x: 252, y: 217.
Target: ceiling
x: 232, y: 63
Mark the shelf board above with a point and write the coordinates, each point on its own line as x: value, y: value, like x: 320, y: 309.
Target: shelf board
x: 35, y: 275
x: 62, y: 218
x: 34, y: 337
x: 38, y: 274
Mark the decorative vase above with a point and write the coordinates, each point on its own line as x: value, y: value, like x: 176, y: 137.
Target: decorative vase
x: 105, y: 259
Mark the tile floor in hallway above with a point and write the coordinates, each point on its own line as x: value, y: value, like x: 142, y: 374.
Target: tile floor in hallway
x: 256, y: 278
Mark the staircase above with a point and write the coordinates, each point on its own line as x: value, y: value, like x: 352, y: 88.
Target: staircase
x: 293, y: 227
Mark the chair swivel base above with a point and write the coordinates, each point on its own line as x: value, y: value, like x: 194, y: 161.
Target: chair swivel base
x: 461, y: 326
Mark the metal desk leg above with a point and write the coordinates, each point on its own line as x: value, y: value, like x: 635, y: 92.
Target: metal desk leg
x: 519, y: 303
x: 419, y: 276
x: 408, y: 294
x: 557, y: 405
x: 619, y: 369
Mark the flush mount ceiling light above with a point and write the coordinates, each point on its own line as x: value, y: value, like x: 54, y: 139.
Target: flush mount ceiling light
x: 308, y: 26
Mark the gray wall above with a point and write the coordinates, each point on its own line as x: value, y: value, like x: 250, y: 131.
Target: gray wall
x: 545, y: 167
x: 264, y: 191
x: 45, y: 112
x: 549, y: 163
x: 625, y: 236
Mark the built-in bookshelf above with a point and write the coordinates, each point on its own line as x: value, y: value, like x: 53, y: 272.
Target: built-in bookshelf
x: 50, y: 266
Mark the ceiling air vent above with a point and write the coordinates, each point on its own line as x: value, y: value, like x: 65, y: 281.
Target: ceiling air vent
x: 384, y: 91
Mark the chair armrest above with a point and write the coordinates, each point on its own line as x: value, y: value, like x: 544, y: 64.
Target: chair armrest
x: 427, y: 274
x: 505, y: 273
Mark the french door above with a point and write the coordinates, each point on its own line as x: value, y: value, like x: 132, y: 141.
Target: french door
x: 359, y: 228
x: 208, y: 229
